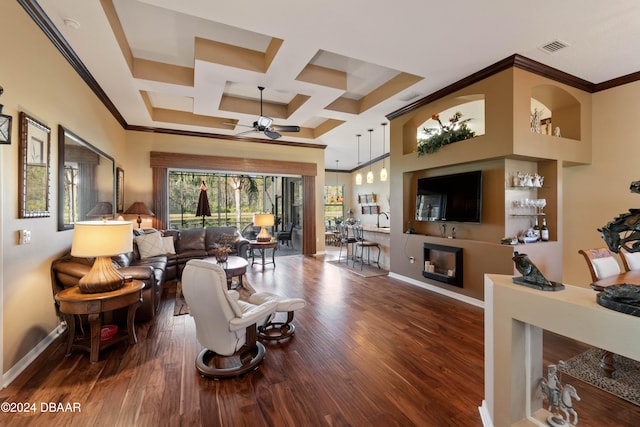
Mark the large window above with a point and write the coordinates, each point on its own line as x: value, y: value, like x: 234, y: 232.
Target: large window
x: 333, y: 205
x: 233, y: 198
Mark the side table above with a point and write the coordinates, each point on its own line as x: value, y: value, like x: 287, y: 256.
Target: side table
x: 234, y: 266
x: 262, y: 247
x: 73, y: 302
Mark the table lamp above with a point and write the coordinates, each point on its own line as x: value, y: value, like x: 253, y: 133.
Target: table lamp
x: 139, y: 208
x: 101, y: 210
x: 101, y: 239
x: 263, y: 220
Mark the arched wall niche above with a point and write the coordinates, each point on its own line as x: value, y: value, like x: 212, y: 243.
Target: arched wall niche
x: 471, y: 106
x: 564, y: 110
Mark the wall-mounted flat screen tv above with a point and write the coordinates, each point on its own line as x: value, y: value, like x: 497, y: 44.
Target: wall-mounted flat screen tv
x: 455, y: 197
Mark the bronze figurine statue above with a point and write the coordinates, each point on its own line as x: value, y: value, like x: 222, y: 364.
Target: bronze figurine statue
x: 532, y: 276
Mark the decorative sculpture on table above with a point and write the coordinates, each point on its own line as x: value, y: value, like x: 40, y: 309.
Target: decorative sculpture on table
x: 623, y: 233
x: 559, y: 397
x: 532, y: 277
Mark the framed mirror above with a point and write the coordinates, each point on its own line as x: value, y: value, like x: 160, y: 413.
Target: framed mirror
x: 34, y: 165
x: 86, y: 181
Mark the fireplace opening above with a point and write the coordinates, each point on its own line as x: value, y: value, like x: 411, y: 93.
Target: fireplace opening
x: 443, y: 263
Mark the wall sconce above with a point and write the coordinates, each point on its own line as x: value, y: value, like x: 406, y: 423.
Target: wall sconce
x: 139, y: 208
x: 5, y: 124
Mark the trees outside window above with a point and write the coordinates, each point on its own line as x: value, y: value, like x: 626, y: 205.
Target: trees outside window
x: 233, y: 198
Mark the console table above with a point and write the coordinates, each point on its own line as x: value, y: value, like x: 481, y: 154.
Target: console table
x: 514, y: 319
x: 73, y: 302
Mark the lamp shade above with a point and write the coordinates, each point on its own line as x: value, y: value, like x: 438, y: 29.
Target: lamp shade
x: 101, y: 210
x: 264, y: 221
x: 101, y: 239
x: 139, y: 208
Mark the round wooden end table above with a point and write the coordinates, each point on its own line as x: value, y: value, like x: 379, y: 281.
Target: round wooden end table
x: 234, y: 266
x: 73, y: 302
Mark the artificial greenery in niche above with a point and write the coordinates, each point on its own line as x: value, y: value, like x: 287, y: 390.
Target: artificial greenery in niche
x: 456, y: 130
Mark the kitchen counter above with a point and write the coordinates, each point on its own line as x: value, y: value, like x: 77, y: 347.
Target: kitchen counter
x: 380, y: 235
x: 375, y: 229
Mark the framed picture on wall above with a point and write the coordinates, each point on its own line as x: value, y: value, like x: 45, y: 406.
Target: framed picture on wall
x: 119, y: 190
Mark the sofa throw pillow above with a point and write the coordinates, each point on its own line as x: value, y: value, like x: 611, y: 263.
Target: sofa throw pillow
x: 150, y: 245
x: 605, y: 267
x: 167, y: 243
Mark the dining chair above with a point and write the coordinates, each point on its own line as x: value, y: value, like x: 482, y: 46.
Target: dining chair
x: 601, y: 262
x: 630, y: 260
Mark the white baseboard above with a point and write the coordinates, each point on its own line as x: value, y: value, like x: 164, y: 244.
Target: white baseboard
x: 436, y: 289
x: 23, y: 363
x: 484, y: 415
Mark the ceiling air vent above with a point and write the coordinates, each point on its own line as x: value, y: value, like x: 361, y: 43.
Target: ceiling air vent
x: 554, y: 46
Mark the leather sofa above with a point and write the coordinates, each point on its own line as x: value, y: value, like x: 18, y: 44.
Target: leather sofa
x: 198, y: 243
x: 192, y: 243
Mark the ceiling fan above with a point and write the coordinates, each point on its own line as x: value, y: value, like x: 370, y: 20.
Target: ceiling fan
x: 265, y: 124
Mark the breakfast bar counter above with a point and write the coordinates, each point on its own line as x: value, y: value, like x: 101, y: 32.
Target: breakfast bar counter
x: 380, y: 235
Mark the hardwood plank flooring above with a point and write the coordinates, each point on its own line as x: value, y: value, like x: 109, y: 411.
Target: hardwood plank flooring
x: 367, y: 352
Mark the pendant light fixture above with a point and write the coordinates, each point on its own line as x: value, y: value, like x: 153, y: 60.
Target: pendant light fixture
x: 383, y: 171
x: 338, y: 195
x: 370, y: 173
x: 359, y: 175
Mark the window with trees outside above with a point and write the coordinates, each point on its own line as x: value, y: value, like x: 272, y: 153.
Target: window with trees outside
x: 233, y: 199
x: 333, y: 205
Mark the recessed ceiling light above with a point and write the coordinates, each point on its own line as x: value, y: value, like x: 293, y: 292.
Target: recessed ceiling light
x: 72, y: 23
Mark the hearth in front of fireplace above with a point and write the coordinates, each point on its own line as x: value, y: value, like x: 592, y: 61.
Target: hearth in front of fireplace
x: 443, y: 263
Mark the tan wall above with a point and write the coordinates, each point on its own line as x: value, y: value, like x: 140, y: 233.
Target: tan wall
x: 595, y: 194
x: 38, y: 80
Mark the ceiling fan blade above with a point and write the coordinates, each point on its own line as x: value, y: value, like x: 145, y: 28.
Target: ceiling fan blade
x: 272, y: 134
x: 245, y: 132
x: 239, y: 124
x: 284, y: 128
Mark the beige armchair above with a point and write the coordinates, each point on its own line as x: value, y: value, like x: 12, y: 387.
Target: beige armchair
x: 225, y: 325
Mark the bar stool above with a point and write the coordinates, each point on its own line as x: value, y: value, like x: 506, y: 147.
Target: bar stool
x: 346, y: 240
x: 365, y: 244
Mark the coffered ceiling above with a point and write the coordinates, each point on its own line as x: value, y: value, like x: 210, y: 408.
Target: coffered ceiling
x: 335, y: 68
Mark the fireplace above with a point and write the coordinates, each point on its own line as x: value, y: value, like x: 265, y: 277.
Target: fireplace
x: 443, y: 263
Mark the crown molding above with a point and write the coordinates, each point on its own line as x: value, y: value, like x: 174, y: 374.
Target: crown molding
x: 523, y: 63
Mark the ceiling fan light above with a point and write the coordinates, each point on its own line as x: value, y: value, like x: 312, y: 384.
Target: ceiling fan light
x: 264, y: 122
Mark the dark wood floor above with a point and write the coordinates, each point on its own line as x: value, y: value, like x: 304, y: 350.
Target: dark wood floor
x: 367, y: 352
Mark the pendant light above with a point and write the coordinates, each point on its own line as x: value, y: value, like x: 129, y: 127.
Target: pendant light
x: 383, y: 171
x: 338, y: 195
x: 359, y: 175
x: 370, y: 173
